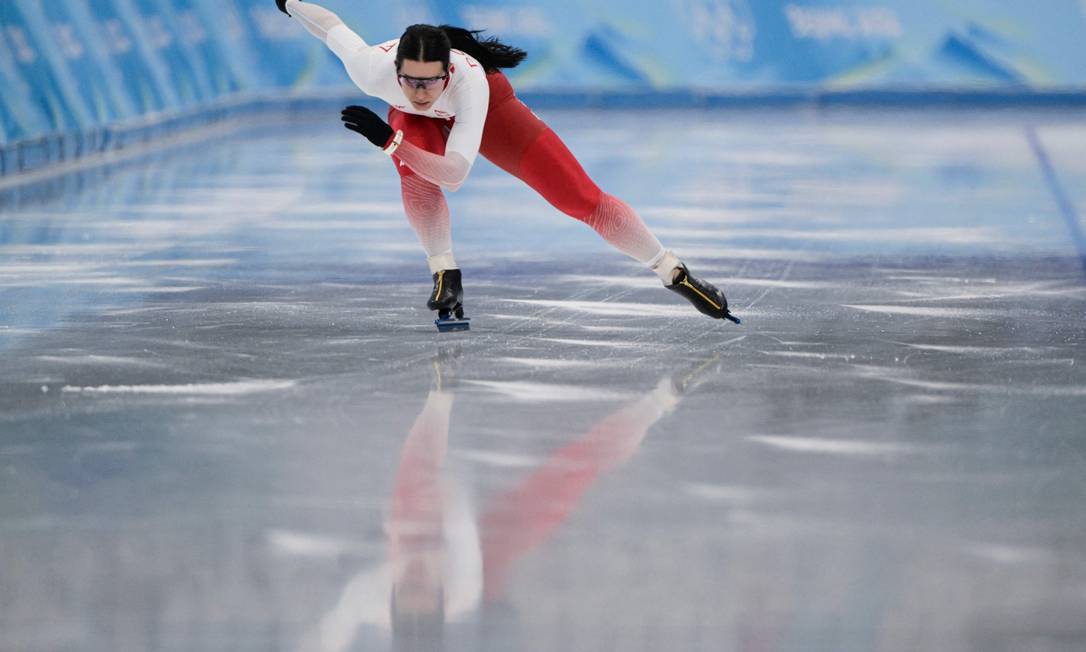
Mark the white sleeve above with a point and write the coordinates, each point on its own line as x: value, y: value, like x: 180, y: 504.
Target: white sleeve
x: 317, y: 20
x: 357, y: 56
x: 467, y: 132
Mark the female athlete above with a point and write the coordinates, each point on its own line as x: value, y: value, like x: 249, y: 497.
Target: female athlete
x: 449, y: 102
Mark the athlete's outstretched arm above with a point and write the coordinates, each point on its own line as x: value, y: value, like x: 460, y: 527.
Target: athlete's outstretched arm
x: 449, y: 171
x: 344, y: 43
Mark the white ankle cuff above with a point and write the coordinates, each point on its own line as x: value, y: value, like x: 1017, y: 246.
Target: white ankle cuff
x: 441, y: 261
x: 663, y: 264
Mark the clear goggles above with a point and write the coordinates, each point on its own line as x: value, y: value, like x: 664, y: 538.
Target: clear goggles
x: 422, y: 83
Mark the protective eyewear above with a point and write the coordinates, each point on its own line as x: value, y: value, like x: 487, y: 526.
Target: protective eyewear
x: 423, y: 83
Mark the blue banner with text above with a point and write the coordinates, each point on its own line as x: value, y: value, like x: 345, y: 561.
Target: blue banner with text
x: 72, y: 65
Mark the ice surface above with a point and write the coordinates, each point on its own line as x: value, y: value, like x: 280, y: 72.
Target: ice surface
x: 228, y: 422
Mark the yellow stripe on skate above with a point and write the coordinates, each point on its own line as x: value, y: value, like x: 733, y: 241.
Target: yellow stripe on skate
x: 711, y: 302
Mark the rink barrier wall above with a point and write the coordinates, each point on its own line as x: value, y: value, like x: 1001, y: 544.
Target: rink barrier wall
x: 57, y: 148
x: 79, y: 77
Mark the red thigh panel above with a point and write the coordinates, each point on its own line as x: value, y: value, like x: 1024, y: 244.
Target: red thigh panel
x: 429, y: 134
x: 517, y: 141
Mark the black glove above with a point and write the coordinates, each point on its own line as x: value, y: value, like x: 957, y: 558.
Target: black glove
x: 282, y: 4
x: 367, y: 123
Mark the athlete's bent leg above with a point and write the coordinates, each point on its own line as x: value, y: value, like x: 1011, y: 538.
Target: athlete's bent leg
x: 428, y: 213
x: 424, y: 202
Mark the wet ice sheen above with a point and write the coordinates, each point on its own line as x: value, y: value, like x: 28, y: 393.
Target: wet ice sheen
x: 227, y: 423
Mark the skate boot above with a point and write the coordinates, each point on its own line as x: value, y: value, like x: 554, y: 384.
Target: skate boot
x: 704, y: 295
x: 448, y: 300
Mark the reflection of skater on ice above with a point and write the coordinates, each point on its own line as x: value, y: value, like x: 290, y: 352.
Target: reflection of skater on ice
x: 445, y: 558
x: 450, y: 102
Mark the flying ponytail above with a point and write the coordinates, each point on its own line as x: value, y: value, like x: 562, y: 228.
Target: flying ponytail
x: 429, y: 43
x: 490, y: 52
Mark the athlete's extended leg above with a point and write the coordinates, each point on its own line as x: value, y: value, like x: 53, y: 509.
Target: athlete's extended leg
x: 523, y: 145
x: 517, y: 141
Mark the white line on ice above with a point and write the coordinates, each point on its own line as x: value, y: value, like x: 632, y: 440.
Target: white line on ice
x: 776, y: 283
x: 731, y: 253
x: 342, y: 225
x: 1003, y: 554
x: 348, y: 208
x: 503, y: 460
x: 100, y: 359
x: 613, y: 308
x: 979, y: 350
x: 550, y: 363
x: 893, y: 376
x: 807, y: 354
x: 239, y: 388
x: 651, y: 282
x: 619, y: 344
x: 829, y: 446
x: 164, y: 289
x: 721, y: 492
x: 7, y: 330
x: 923, y: 235
x: 303, y: 544
x: 927, y: 311
x: 608, y: 329
x: 544, y: 392
x: 204, y: 262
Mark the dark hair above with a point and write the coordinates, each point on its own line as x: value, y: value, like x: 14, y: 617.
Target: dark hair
x: 430, y: 43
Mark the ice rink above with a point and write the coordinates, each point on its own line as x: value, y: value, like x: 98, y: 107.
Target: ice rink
x: 228, y: 422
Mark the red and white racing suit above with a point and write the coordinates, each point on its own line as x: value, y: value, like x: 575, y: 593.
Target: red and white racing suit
x: 478, y: 112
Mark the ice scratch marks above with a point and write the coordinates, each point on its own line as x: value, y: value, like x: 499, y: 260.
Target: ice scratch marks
x: 13, y: 332
x: 908, y: 235
x: 530, y: 392
x: 551, y: 363
x: 92, y: 359
x: 738, y: 253
x: 810, y: 355
x: 997, y: 291
x: 651, y: 282
x: 613, y: 308
x: 639, y: 282
x: 337, y: 225
x: 897, y: 376
x: 608, y: 329
x: 926, y: 287
x: 985, y: 351
x: 350, y: 208
x: 781, y: 283
x: 47, y: 274
x: 928, y: 311
x: 238, y: 388
x: 616, y: 344
x: 843, y: 447
x: 186, y: 263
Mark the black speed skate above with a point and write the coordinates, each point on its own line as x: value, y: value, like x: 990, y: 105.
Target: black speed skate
x: 704, y: 295
x: 448, y: 300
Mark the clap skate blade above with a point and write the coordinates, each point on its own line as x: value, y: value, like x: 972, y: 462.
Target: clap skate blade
x: 449, y: 321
